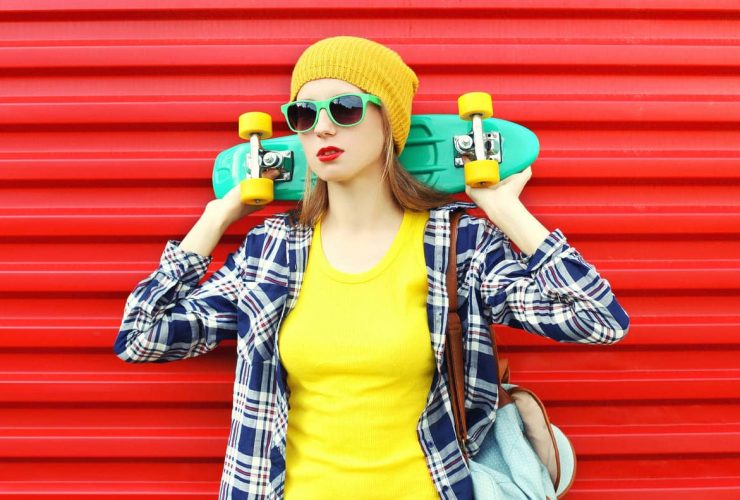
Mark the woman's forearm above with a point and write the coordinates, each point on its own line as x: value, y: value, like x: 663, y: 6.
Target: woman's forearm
x: 520, y: 226
x: 205, y: 234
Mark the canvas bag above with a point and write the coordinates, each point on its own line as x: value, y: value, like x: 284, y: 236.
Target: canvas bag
x: 523, y: 455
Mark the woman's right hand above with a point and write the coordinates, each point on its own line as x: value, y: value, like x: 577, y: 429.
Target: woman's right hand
x: 230, y: 208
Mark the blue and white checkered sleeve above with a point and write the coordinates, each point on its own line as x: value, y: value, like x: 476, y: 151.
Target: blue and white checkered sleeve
x: 169, y: 317
x: 554, y: 292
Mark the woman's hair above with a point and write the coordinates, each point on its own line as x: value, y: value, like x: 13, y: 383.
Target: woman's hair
x: 408, y: 192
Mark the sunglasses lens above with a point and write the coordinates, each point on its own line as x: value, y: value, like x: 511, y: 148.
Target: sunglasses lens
x: 347, y: 109
x: 301, y: 115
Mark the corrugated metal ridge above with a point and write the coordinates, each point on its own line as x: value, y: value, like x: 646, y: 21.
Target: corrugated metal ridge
x: 139, y: 490
x: 423, y: 99
x: 145, y: 168
x: 628, y: 112
x: 379, y: 6
x: 622, y: 480
x: 196, y: 442
x: 609, y: 220
x: 644, y: 275
x: 213, y: 386
x: 260, y: 43
x: 690, y: 58
x: 118, y: 442
x: 86, y: 334
x: 629, y: 276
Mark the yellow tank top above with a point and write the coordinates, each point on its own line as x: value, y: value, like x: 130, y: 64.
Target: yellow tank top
x: 359, y: 363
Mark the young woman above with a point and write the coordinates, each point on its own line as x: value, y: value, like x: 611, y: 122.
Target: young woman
x: 339, y: 307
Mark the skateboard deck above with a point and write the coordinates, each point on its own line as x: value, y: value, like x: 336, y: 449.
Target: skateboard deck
x: 433, y: 154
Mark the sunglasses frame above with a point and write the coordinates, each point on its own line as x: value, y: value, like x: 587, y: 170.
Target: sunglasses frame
x: 325, y: 105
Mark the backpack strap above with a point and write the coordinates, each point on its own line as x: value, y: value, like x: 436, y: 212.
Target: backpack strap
x: 454, y: 347
x: 537, y: 425
x: 454, y: 343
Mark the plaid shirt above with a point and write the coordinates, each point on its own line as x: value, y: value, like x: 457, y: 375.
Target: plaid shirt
x: 554, y: 293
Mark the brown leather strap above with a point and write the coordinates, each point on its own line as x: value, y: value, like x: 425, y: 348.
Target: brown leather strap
x: 454, y: 344
x: 454, y: 348
x: 503, y: 367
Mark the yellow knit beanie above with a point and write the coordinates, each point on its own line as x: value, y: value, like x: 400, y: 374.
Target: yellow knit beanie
x: 374, y: 68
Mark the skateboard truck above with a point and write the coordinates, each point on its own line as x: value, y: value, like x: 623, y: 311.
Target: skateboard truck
x: 255, y: 189
x: 483, y: 171
x: 492, y: 146
x: 266, y: 160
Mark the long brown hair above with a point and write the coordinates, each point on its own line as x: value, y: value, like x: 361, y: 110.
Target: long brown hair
x: 408, y: 192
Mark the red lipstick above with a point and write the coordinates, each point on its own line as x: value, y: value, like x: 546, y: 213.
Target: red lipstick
x: 329, y: 153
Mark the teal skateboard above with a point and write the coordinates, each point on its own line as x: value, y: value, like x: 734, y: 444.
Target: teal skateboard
x: 433, y: 153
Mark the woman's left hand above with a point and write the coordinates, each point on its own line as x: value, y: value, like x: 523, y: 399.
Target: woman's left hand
x: 496, y: 198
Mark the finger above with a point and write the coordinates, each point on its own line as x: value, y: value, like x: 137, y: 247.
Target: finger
x: 271, y: 173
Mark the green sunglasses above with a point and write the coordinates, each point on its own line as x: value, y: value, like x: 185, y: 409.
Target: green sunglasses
x: 345, y: 110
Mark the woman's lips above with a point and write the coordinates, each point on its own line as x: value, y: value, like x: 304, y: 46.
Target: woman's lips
x: 329, y: 157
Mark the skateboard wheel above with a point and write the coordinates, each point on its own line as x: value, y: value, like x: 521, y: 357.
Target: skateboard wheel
x: 474, y: 103
x: 256, y: 191
x: 481, y: 173
x: 255, y: 122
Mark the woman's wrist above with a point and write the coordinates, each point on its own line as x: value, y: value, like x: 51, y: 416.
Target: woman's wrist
x: 216, y: 215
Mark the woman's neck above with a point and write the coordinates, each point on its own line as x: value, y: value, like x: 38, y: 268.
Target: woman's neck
x: 356, y: 208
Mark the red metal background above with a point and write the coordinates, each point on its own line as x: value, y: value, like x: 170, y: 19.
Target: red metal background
x: 111, y: 114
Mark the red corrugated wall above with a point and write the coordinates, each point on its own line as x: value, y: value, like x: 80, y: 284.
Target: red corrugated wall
x: 111, y: 114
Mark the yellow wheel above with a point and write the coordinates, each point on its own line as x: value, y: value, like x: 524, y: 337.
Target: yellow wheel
x: 256, y: 191
x: 255, y: 122
x: 474, y: 103
x: 481, y: 173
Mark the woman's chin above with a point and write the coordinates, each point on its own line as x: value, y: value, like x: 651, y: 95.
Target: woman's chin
x: 331, y: 174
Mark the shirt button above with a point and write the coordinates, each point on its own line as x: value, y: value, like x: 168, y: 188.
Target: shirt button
x: 430, y: 444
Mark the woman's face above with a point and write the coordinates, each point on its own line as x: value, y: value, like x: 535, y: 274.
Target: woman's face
x: 362, y: 144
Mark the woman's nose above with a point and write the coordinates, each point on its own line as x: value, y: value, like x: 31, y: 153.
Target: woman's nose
x: 324, y: 123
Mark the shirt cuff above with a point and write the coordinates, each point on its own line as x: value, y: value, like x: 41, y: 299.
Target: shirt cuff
x: 552, y: 245
x: 183, y: 265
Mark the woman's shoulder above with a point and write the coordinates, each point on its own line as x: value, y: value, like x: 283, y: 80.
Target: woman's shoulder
x: 273, y: 230
x: 275, y: 225
x: 467, y: 221
x: 472, y: 231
